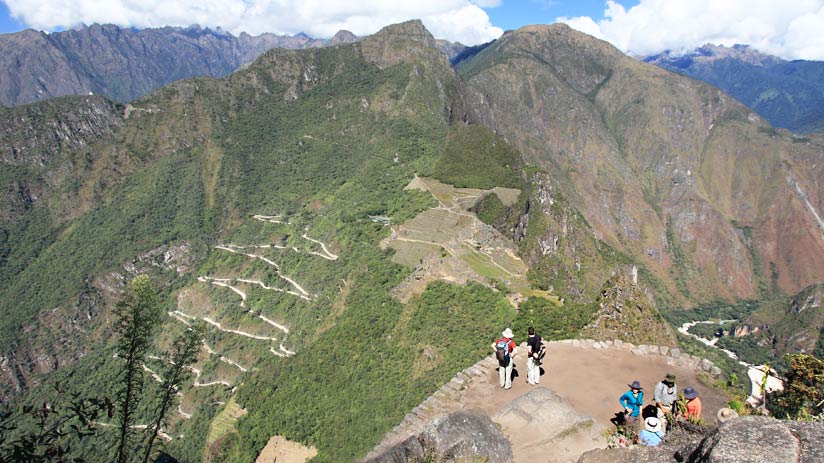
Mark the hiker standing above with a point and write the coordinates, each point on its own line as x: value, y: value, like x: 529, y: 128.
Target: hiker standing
x: 693, y: 404
x: 666, y: 393
x: 533, y: 365
x: 651, y: 435
x: 632, y: 401
x: 505, y: 350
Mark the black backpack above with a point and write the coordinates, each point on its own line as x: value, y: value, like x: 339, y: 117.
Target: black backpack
x: 539, y: 351
x: 502, y: 351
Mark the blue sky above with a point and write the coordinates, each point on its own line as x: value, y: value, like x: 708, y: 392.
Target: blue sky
x: 512, y: 14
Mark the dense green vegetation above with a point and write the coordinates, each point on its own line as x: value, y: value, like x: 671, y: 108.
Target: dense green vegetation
x: 551, y: 321
x: 477, y: 158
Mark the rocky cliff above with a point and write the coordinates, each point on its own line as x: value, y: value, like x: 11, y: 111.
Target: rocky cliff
x: 124, y: 63
x: 670, y: 171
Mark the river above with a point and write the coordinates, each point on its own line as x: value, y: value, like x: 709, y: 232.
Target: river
x: 754, y: 372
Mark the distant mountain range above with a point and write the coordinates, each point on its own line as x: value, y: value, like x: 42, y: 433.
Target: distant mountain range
x: 124, y: 63
x: 789, y: 94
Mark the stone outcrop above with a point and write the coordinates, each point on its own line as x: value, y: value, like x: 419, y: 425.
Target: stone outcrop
x: 739, y: 440
x: 459, y: 436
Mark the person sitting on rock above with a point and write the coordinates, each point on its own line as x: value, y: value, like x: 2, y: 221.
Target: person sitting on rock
x: 632, y: 401
x: 665, y: 395
x: 533, y: 366
x: 651, y: 435
x: 693, y: 405
x: 505, y: 349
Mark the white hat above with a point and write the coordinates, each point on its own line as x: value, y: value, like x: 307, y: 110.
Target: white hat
x: 653, y: 424
x: 508, y: 333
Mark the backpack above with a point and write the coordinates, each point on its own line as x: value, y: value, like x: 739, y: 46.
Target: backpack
x: 502, y: 351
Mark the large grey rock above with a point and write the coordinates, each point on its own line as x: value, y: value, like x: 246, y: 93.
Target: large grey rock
x: 408, y: 451
x: 466, y: 436
x: 749, y: 439
x: 811, y: 437
x: 541, y: 419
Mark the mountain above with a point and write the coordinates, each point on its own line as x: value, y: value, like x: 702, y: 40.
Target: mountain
x: 788, y: 94
x: 786, y: 325
x: 123, y: 63
x: 705, y: 196
x: 353, y: 225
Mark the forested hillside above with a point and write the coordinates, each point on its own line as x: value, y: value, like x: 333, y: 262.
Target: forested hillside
x: 350, y: 226
x: 788, y: 94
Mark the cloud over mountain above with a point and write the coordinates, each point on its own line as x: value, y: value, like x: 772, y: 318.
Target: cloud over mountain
x: 792, y: 30
x: 456, y: 20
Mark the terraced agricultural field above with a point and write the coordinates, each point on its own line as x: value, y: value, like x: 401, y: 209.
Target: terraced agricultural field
x: 449, y: 242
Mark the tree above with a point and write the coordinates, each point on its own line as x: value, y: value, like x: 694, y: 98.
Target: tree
x: 803, y: 394
x: 44, y: 433
x: 182, y: 355
x: 137, y: 313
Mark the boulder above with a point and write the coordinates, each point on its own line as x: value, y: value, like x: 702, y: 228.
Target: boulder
x: 407, y: 451
x: 541, y: 419
x: 457, y: 437
x: 749, y: 439
x: 464, y: 436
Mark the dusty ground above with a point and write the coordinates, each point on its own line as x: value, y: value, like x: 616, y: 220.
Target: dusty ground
x: 591, y: 380
x: 280, y: 450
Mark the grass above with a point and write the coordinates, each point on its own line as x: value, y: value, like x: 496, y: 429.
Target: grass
x: 224, y: 422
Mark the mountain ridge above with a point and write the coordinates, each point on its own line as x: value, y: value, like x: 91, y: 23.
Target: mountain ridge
x: 788, y: 94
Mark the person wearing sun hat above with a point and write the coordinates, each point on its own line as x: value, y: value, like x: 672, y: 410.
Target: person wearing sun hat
x: 632, y: 401
x: 505, y: 349
x: 651, y: 435
x: 693, y: 404
x: 665, y: 395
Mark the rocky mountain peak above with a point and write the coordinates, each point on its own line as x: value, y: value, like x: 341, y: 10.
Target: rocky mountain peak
x: 342, y: 36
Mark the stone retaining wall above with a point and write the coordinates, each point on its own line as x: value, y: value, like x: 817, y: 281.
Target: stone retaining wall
x: 447, y: 398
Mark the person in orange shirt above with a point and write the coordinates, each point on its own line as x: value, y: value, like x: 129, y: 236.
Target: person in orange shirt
x: 693, y: 404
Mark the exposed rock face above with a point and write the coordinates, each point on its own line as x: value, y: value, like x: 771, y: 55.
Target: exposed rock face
x: 665, y: 169
x: 542, y: 420
x: 740, y: 440
x: 125, y: 63
x: 627, y: 312
x: 457, y: 437
x: 32, y: 135
x: 793, y: 325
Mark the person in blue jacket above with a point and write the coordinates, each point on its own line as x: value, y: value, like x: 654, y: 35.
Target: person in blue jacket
x: 632, y: 401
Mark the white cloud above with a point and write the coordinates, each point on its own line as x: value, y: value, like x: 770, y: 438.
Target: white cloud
x: 790, y: 29
x: 457, y: 20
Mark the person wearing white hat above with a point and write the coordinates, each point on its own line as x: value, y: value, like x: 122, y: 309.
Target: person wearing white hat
x: 505, y: 349
x: 651, y: 435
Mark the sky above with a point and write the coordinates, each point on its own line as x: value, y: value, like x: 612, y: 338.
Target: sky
x: 791, y: 29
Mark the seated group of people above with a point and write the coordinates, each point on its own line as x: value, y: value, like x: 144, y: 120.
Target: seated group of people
x: 665, y: 398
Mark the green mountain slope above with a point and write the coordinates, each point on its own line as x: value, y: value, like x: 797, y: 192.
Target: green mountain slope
x: 351, y: 224
x: 788, y: 94
x: 666, y: 170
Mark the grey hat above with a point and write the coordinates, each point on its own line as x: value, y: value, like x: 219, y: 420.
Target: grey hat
x: 690, y: 393
x: 635, y: 385
x: 670, y: 378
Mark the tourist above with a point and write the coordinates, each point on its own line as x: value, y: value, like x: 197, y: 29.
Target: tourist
x: 665, y: 395
x: 693, y: 405
x: 533, y: 362
x: 651, y: 435
x: 632, y: 401
x: 505, y: 350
